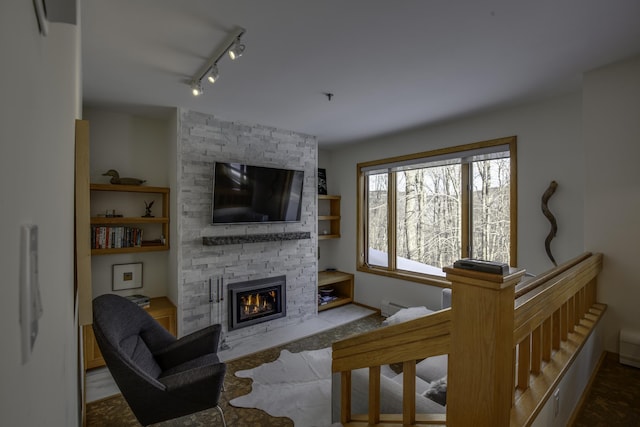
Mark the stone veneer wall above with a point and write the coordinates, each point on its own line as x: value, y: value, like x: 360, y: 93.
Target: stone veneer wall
x: 203, y: 139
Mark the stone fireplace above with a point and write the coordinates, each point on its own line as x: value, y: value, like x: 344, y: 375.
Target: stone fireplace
x: 240, y: 253
x: 257, y: 301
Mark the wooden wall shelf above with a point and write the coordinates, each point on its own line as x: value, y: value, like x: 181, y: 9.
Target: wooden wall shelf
x: 328, y: 217
x: 161, y: 244
x: 342, y: 285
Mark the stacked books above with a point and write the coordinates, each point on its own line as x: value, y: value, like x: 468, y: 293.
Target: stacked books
x: 104, y: 237
x: 141, y: 300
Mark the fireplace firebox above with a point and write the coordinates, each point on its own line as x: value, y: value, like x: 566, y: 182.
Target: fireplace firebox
x: 257, y: 301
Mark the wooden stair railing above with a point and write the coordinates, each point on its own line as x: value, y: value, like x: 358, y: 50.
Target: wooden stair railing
x: 402, y: 343
x: 503, y: 362
x: 551, y: 325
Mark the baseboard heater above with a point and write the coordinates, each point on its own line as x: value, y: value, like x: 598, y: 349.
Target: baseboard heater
x: 630, y: 347
x: 388, y: 308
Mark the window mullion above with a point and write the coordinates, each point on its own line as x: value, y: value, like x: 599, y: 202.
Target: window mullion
x: 363, y: 217
x: 392, y: 218
x: 465, y: 215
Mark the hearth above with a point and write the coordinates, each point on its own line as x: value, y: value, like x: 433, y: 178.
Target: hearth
x: 257, y: 301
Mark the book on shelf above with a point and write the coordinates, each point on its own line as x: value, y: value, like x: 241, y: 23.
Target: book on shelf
x: 326, y: 299
x: 107, y: 237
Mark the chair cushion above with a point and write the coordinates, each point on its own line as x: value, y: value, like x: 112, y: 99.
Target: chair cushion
x: 390, y: 396
x: 134, y: 347
x: 407, y: 314
x: 433, y: 368
x: 421, y: 385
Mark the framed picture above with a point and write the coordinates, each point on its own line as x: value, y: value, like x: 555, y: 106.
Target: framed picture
x: 322, y: 181
x: 126, y: 276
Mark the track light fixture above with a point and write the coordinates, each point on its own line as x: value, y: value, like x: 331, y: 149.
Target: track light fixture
x: 213, y: 74
x: 196, y: 88
x: 233, y: 46
x: 236, y: 50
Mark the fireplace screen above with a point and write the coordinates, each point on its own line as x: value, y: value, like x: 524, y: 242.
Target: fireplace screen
x: 256, y: 301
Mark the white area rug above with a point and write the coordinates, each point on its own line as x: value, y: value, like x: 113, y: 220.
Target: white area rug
x: 296, y: 386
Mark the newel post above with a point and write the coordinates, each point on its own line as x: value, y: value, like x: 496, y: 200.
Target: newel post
x: 480, y: 375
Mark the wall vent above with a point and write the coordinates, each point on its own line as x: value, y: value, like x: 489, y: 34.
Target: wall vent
x: 388, y: 308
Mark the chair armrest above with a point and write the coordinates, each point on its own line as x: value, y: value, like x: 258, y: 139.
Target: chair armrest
x: 202, y: 384
x: 189, y: 347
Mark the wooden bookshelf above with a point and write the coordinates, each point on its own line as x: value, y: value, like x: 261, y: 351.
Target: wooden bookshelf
x: 342, y: 285
x: 328, y: 217
x: 104, y: 191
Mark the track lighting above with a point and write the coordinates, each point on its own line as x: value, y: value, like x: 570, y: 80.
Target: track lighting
x: 213, y: 74
x: 233, y: 46
x: 236, y: 50
x: 196, y: 88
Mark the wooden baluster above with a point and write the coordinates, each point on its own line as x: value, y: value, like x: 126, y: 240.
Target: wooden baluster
x: 555, y: 326
x: 571, y: 314
x: 345, y: 393
x: 564, y: 328
x: 409, y: 393
x: 374, y: 395
x: 591, y: 292
x: 578, y: 311
x: 546, y: 339
x: 524, y: 361
x: 536, y: 350
x: 480, y: 376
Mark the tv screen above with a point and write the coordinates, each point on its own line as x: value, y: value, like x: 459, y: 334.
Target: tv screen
x: 244, y: 193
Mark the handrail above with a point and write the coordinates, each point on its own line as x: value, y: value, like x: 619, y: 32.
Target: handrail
x: 529, y: 285
x: 415, y: 339
x: 533, y: 311
x: 550, y: 320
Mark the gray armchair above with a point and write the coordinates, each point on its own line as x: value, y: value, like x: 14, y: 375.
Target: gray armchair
x: 160, y: 377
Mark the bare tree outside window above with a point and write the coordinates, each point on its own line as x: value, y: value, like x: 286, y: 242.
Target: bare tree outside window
x: 490, y: 215
x: 377, y: 203
x: 423, y: 213
x: 428, y: 218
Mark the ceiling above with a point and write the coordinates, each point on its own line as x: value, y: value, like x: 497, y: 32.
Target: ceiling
x: 391, y: 65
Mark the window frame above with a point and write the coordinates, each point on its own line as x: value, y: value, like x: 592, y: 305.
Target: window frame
x: 362, y: 209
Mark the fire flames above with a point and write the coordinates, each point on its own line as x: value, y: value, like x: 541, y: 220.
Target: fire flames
x: 257, y: 303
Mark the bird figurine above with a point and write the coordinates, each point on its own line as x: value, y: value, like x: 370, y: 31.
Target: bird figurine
x: 115, y: 178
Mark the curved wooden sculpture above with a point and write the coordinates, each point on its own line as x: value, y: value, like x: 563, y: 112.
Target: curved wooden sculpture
x: 554, y: 226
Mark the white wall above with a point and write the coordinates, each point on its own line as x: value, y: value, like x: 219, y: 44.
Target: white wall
x: 136, y: 147
x: 39, y: 104
x: 612, y: 203
x: 549, y: 148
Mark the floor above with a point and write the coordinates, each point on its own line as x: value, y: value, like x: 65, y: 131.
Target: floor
x: 100, y: 384
x: 614, y: 398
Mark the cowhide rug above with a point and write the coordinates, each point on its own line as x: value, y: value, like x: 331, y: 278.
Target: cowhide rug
x: 296, y: 386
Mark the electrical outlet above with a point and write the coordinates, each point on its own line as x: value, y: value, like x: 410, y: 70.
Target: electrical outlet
x: 556, y: 402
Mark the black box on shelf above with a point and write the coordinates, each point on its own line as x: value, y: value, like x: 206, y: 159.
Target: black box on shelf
x: 492, y: 267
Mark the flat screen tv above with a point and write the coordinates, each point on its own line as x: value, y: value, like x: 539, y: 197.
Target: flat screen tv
x: 249, y: 194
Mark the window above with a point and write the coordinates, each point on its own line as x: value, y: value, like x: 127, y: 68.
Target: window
x: 422, y: 212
